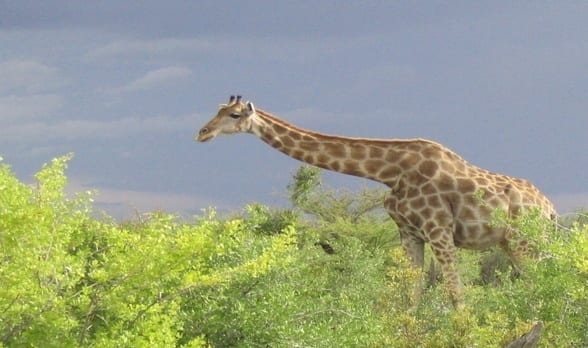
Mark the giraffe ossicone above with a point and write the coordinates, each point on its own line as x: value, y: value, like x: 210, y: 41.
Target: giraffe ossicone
x: 435, y: 195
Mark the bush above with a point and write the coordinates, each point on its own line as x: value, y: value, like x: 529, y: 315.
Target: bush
x: 551, y: 290
x: 70, y: 280
x: 263, y: 277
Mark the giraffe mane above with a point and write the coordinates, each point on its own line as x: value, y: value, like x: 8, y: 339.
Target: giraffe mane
x: 273, y: 118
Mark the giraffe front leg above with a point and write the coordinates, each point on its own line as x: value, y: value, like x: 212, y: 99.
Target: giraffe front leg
x: 415, y: 250
x: 413, y: 246
x: 445, y: 253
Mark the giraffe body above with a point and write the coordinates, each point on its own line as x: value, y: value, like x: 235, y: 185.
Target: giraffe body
x: 435, y: 196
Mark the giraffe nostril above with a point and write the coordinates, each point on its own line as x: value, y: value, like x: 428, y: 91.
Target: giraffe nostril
x: 203, y: 131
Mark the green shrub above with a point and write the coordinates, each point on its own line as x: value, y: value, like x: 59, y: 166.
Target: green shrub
x: 70, y: 280
x: 263, y: 277
x: 552, y: 289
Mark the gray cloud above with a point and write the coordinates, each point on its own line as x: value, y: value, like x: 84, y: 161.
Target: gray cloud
x: 133, y: 48
x: 20, y: 109
x: 290, y: 50
x: 28, y: 76
x: 125, y: 204
x: 155, y: 79
x: 69, y: 130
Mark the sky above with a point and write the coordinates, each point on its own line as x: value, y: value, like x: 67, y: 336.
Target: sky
x: 125, y: 85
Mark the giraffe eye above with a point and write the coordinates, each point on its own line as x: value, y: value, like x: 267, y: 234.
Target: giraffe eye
x: 235, y: 115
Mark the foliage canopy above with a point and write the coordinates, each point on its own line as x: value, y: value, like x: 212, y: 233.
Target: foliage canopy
x: 261, y: 278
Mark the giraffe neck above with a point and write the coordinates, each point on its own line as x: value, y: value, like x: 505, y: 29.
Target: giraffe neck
x: 380, y: 160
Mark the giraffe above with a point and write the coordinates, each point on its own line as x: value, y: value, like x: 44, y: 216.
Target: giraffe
x: 435, y: 195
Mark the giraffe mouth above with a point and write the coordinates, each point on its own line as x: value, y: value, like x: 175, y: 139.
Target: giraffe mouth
x: 202, y: 138
x: 204, y: 135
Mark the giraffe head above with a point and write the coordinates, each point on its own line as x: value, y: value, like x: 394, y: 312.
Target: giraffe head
x: 233, y: 117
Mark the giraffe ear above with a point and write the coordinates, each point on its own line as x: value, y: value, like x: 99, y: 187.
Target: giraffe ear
x: 250, y: 109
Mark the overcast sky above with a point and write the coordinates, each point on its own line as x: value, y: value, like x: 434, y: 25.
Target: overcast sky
x: 125, y: 85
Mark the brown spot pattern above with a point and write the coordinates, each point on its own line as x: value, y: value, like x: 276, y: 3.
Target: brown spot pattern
x: 433, y: 188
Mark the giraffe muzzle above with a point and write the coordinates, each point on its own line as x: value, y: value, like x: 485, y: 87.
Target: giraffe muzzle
x: 204, y: 135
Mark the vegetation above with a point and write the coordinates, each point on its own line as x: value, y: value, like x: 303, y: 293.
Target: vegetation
x: 328, y: 272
